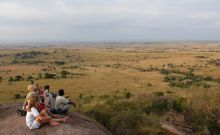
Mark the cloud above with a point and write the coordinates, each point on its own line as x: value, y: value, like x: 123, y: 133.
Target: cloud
x: 95, y: 20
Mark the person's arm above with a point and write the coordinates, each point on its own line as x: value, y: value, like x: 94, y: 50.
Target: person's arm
x: 72, y: 103
x: 36, y: 113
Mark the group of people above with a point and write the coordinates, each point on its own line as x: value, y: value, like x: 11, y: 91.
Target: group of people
x: 44, y: 107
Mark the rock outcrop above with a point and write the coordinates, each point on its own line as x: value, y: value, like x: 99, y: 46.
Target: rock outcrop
x: 77, y: 124
x: 176, y: 124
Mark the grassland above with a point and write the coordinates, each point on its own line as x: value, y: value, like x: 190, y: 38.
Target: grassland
x: 130, y: 81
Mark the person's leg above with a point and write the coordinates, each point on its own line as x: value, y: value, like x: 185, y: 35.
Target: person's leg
x: 66, y: 108
x: 49, y: 113
x: 60, y: 120
x: 44, y: 113
x: 43, y: 120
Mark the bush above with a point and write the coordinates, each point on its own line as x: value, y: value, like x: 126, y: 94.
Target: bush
x: 127, y: 94
x: 64, y: 73
x: 149, y: 84
x: 99, y: 115
x: 29, y: 78
x: 18, y: 78
x: 157, y: 106
x: 49, y: 76
x: 17, y: 96
x: 158, y: 93
x: 179, y: 104
x: 59, y: 62
x: 121, y: 118
x: 40, y: 76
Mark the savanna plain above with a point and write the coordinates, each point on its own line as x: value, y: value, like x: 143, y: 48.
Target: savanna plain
x: 130, y: 88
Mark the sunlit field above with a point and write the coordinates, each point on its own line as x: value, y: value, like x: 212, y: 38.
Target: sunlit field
x: 143, y: 82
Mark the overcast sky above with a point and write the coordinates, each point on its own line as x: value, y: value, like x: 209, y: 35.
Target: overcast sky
x: 109, y: 20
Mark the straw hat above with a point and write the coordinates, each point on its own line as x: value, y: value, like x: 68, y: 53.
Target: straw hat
x: 33, y: 88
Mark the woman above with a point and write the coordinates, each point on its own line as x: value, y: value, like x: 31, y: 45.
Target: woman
x: 34, y: 119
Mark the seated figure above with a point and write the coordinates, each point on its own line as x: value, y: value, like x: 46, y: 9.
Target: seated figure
x: 34, y: 118
x: 62, y: 104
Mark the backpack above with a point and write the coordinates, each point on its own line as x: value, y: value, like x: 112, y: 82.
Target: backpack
x: 21, y: 112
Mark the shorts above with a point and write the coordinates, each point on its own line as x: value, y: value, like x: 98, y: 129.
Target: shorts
x: 34, y: 125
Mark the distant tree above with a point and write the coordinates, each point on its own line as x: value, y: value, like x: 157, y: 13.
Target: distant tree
x: 18, y: 78
x: 59, y: 62
x: 10, y: 79
x: 29, y: 78
x: 49, y: 76
x: 40, y: 76
x: 64, y: 73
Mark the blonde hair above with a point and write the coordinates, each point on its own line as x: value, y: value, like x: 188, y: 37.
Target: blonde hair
x: 33, y: 98
x: 33, y: 88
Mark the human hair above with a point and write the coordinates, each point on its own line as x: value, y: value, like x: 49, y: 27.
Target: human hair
x: 46, y: 87
x: 61, y: 92
x: 33, y: 98
x: 33, y: 87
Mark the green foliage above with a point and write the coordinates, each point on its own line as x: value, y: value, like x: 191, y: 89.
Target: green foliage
x: 127, y: 94
x: 179, y: 104
x: 59, y: 62
x: 215, y: 62
x: 159, y: 105
x: 121, y: 118
x: 29, y: 55
x: 86, y: 98
x: 158, y: 94
x: 49, y: 76
x: 64, y: 73
x: 29, y: 78
x: 16, y: 78
x: 17, y: 96
x: 40, y: 76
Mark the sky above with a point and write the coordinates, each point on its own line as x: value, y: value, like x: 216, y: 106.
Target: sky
x: 109, y: 20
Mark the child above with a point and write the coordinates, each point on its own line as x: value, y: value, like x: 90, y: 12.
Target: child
x: 34, y: 119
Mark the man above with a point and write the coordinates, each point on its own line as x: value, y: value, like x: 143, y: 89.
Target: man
x: 62, y: 104
x: 49, y: 100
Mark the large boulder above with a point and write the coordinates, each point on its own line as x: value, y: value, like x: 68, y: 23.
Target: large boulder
x: 77, y: 124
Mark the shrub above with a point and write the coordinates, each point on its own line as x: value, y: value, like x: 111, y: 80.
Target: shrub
x: 205, y: 85
x: 149, y: 84
x: 10, y: 79
x: 59, y: 62
x: 64, y: 74
x: 127, y: 94
x: 121, y: 118
x: 158, y: 93
x: 99, y: 115
x: 157, y: 106
x: 49, y: 76
x: 17, y: 96
x: 102, y: 97
x: 29, y: 78
x: 87, y: 98
x: 18, y: 78
x: 179, y: 104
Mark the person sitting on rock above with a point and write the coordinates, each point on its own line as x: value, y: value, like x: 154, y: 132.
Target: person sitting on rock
x: 35, y: 88
x: 34, y: 119
x: 49, y: 99
x: 62, y: 104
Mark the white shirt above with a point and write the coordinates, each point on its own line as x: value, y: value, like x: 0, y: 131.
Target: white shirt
x: 61, y: 102
x: 30, y: 116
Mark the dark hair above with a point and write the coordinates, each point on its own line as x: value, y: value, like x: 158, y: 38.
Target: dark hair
x: 61, y: 92
x: 46, y: 87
